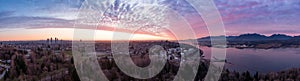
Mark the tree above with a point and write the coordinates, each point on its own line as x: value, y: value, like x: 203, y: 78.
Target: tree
x: 20, y: 65
x: 6, y: 75
x: 256, y: 76
x: 73, y: 73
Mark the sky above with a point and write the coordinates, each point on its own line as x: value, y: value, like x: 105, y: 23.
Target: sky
x: 41, y: 19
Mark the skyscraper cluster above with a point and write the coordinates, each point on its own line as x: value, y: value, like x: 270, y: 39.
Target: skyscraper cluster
x: 53, y: 41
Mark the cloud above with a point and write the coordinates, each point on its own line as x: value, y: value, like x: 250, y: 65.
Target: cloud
x: 281, y: 31
x: 239, y: 16
x: 33, y: 22
x: 260, y: 16
x: 244, y: 11
x: 6, y: 13
x: 25, y: 22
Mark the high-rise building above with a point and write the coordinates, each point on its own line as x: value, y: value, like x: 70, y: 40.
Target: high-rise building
x: 48, y: 40
x: 51, y: 40
x: 55, y: 40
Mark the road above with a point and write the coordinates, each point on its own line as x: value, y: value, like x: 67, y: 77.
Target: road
x: 4, y: 66
x: 3, y: 73
x: 58, y: 75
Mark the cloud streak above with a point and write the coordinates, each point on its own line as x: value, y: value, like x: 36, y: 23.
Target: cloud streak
x: 239, y: 16
x: 33, y: 22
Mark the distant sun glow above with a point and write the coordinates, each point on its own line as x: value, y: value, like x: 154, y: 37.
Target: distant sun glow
x: 66, y: 34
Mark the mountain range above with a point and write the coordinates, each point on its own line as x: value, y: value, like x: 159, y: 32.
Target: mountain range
x: 255, y: 40
x: 253, y: 37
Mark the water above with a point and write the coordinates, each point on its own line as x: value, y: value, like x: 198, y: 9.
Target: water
x: 261, y: 60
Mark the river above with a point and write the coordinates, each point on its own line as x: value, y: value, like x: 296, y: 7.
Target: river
x: 261, y: 60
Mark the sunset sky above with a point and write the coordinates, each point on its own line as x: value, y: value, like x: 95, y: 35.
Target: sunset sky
x: 41, y: 19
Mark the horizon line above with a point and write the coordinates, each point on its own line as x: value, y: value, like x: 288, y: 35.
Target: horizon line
x: 150, y: 39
